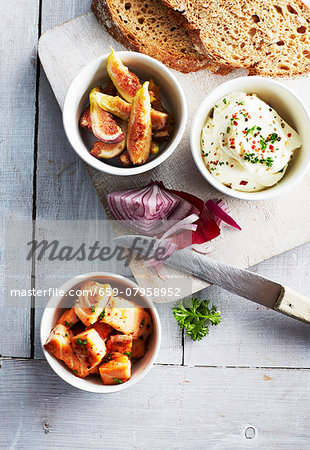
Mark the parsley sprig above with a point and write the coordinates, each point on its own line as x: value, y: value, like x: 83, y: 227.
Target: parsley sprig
x: 195, y: 317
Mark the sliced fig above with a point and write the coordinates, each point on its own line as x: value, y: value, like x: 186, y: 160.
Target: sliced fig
x: 164, y: 134
x: 159, y: 119
x: 103, y: 124
x: 157, y: 102
x: 125, y: 159
x: 154, y: 147
x: 139, y: 134
x: 126, y: 82
x: 85, y: 121
x: 120, y: 108
x: 107, y: 151
x: 109, y: 89
x: 161, y: 135
x: 114, y: 105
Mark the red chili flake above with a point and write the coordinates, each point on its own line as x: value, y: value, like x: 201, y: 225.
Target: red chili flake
x: 215, y: 154
x: 235, y: 123
x: 289, y: 135
x: 253, y: 147
x: 243, y: 182
x: 233, y: 147
x: 271, y: 147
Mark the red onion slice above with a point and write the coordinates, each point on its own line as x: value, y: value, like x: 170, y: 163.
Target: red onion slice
x: 219, y: 212
x: 185, y: 224
x: 170, y: 247
x: 203, y: 249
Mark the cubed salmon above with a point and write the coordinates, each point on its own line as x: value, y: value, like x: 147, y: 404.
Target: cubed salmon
x: 59, y: 344
x: 59, y: 341
x: 120, y: 343
x: 78, y: 328
x: 103, y: 329
x: 92, y: 301
x: 128, y: 318
x: 145, y: 325
x: 138, y: 348
x: 89, y: 347
x: 116, y: 370
x: 68, y: 318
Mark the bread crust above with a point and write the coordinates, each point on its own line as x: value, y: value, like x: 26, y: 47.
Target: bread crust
x: 183, y: 62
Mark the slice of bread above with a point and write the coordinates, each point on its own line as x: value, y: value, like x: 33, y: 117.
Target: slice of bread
x: 146, y: 26
x: 270, y: 38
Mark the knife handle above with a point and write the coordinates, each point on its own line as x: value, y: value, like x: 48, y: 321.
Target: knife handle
x: 293, y: 305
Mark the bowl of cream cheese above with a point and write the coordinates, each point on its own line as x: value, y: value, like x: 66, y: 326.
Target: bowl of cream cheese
x: 249, y: 138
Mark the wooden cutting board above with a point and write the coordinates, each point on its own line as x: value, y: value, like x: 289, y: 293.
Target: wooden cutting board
x: 268, y: 227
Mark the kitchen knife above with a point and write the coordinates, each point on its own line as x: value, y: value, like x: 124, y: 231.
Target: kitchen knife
x: 242, y: 282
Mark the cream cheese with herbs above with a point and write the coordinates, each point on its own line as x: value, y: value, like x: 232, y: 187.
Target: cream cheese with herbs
x: 245, y: 144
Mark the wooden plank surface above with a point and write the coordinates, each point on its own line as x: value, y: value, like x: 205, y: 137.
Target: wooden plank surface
x: 172, y: 408
x: 64, y: 50
x: 18, y: 43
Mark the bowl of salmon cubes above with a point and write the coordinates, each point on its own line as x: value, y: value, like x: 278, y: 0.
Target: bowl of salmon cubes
x: 99, y: 333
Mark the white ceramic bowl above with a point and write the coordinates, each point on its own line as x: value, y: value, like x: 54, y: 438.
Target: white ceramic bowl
x: 289, y: 107
x: 95, y: 74
x: 93, y: 383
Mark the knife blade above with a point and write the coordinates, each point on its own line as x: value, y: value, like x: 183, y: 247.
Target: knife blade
x: 239, y: 281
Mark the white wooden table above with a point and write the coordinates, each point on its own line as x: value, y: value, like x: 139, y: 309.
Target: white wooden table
x: 247, y: 385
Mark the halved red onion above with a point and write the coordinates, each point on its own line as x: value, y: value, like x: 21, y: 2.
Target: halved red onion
x: 154, y: 210
x: 179, y: 219
x: 150, y: 210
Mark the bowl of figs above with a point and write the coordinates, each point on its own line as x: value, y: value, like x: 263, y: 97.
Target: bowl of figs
x: 124, y: 113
